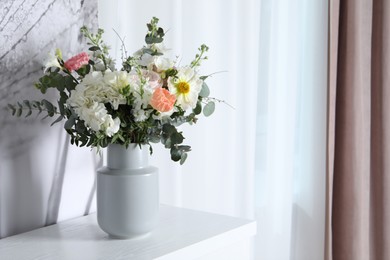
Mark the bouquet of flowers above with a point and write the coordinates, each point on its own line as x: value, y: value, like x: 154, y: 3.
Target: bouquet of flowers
x: 141, y: 103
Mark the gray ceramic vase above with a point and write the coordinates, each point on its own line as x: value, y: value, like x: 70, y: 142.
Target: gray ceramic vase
x: 127, y: 192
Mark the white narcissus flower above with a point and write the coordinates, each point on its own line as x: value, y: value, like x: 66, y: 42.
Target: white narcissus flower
x: 186, y: 86
x: 50, y: 62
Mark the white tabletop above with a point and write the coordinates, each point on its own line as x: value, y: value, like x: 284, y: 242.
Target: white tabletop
x: 181, y: 234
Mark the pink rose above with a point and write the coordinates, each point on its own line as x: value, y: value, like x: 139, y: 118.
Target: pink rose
x: 162, y: 100
x: 77, y: 61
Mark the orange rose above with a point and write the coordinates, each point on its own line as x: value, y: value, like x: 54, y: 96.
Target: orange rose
x: 162, y: 100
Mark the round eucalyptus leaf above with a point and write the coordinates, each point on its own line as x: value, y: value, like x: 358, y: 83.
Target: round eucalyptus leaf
x: 183, y: 158
x: 209, y: 108
x: 205, y: 91
x: 198, y: 109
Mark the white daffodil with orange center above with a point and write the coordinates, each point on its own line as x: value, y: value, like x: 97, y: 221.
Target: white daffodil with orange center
x: 186, y: 86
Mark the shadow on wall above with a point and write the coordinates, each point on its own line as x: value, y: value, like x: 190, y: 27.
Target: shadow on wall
x: 32, y: 155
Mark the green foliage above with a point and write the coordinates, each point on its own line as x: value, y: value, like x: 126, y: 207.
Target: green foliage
x: 198, y: 109
x: 98, y: 47
x: 199, y: 57
x: 54, y: 79
x: 209, y: 108
x: 205, y: 91
x: 155, y: 34
x: 171, y: 138
x: 27, y: 107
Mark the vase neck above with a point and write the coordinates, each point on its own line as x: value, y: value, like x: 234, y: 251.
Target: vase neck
x: 134, y: 157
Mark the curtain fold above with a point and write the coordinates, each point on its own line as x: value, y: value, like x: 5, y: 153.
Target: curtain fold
x: 290, y: 178
x: 359, y: 131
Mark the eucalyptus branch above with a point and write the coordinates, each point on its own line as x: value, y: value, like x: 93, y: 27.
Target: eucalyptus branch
x: 212, y: 74
x: 217, y: 100
x: 30, y: 106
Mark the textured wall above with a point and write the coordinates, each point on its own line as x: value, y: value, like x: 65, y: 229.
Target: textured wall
x: 37, y: 166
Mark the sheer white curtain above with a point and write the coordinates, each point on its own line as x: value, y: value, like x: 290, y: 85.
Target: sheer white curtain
x: 290, y: 172
x: 218, y: 174
x: 274, y: 52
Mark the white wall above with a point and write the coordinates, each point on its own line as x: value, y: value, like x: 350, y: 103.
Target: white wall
x: 37, y: 169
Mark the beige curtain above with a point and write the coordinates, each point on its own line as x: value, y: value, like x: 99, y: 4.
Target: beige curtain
x: 358, y: 187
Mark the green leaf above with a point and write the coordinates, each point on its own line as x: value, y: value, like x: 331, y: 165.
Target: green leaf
x: 184, y: 148
x: 169, y: 129
x: 27, y: 104
x: 70, y: 122
x: 37, y: 105
x: 13, y: 109
x: 84, y: 140
x: 168, y: 143
x: 177, y: 138
x: 198, y: 109
x: 148, y: 39
x: 209, y: 108
x: 175, y: 154
x: 80, y: 127
x: 205, y: 91
x: 18, y: 112
x: 94, y: 48
x: 183, y: 158
x: 151, y: 39
x: 29, y: 113
x: 69, y: 83
x: 49, y: 106
x: 61, y: 106
x: 57, y: 120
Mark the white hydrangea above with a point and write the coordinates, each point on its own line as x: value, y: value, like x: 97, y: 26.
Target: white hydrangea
x: 117, y: 79
x: 94, y: 87
x: 96, y: 117
x: 89, y: 97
